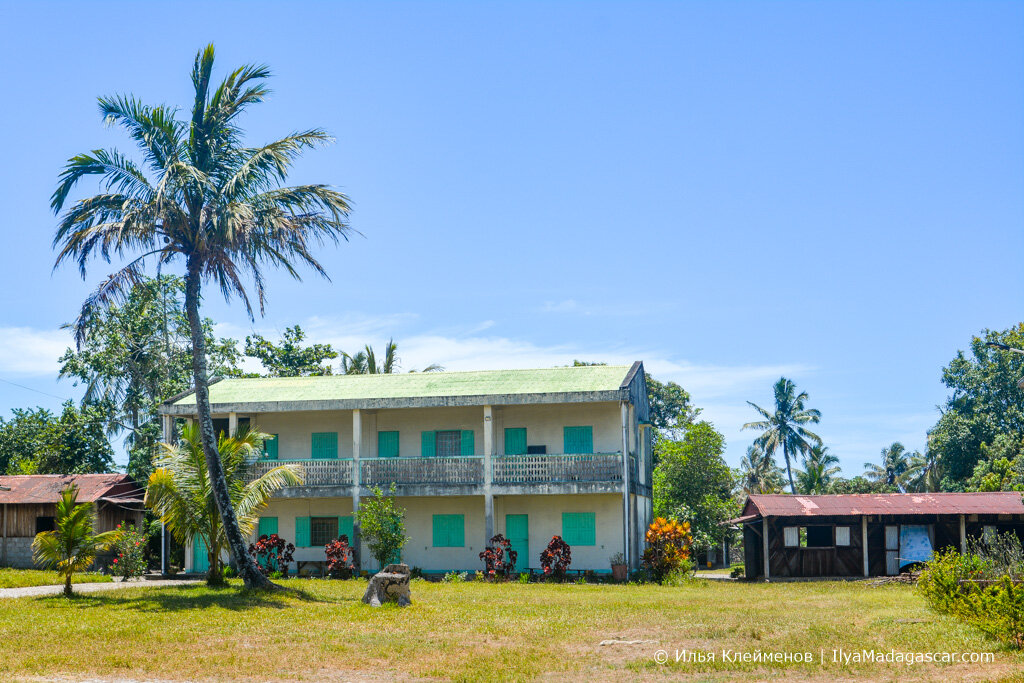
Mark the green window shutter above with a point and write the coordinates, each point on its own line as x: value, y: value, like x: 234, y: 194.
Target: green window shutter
x: 270, y: 447
x: 387, y: 444
x: 449, y: 531
x: 579, y: 528
x: 428, y: 441
x: 515, y: 441
x: 578, y: 439
x: 346, y: 528
x: 302, y: 532
x: 267, y: 527
x: 466, y: 443
x: 325, y: 445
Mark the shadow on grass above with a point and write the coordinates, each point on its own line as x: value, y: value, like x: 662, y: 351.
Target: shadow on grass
x: 190, y: 597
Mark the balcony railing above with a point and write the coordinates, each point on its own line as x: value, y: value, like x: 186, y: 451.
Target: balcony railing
x: 537, y: 469
x: 506, y: 470
x: 467, y: 469
x: 318, y: 472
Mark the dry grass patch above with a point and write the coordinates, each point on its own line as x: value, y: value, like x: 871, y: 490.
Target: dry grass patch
x: 475, y: 631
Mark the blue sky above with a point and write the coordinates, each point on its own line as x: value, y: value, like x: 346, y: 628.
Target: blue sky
x: 727, y: 191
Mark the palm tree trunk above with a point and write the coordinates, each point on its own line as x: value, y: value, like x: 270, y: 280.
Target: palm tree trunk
x: 67, y: 586
x: 789, y: 469
x: 247, y: 568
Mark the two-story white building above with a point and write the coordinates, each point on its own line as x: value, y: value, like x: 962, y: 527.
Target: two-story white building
x: 526, y: 453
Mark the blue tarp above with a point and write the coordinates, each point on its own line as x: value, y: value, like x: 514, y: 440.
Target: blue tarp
x: 915, y: 545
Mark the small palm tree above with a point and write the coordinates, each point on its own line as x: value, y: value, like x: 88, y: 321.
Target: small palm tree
x: 180, y: 493
x: 784, y: 427
x: 365, y: 362
x: 820, y: 467
x: 759, y: 473
x: 203, y: 199
x: 894, y: 467
x: 72, y: 546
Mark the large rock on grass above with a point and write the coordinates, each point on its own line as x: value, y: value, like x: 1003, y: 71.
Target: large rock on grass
x: 389, y: 584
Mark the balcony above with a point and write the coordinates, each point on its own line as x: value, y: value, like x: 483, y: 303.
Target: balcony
x: 461, y: 473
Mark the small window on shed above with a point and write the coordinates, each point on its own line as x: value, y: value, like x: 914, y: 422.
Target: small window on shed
x: 791, y: 536
x: 44, y: 524
x: 842, y: 535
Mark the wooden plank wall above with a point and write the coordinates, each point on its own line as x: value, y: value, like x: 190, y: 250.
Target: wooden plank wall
x: 22, y: 518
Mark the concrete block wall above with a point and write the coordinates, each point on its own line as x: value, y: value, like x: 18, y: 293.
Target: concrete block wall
x: 19, y: 553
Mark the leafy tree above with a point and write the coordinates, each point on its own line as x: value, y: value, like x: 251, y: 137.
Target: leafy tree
x: 72, y: 546
x: 203, y: 199
x: 985, y: 403
x: 672, y: 409
x: 35, y: 441
x: 820, y: 468
x: 1001, y: 467
x: 692, y: 482
x: 290, y: 358
x: 758, y: 472
x: 136, y: 354
x: 894, y: 466
x: 382, y: 522
x: 785, y: 426
x: 859, y: 484
x: 181, y: 495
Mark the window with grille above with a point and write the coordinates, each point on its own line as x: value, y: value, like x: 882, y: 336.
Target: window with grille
x: 449, y: 443
x: 322, y: 530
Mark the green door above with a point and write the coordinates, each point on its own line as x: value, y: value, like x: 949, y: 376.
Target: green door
x: 200, y: 558
x: 517, y: 530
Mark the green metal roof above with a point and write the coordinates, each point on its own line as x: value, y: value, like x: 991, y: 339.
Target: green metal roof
x: 438, y: 387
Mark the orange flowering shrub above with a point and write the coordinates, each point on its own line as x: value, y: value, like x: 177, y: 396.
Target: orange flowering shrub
x: 668, y: 547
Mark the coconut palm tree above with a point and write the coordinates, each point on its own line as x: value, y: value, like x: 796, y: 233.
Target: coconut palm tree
x: 784, y: 427
x: 202, y: 199
x: 365, y: 362
x: 923, y: 472
x: 820, y: 467
x: 894, y: 467
x: 180, y: 492
x: 71, y: 546
x: 759, y: 473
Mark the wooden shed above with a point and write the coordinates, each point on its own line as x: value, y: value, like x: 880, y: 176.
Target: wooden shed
x: 28, y: 505
x: 788, y: 536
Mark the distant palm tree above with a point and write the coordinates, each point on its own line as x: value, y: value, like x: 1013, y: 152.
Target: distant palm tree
x: 820, y: 467
x: 203, y: 199
x: 783, y: 428
x: 72, y: 546
x: 180, y: 493
x: 365, y: 362
x: 894, y: 467
x: 759, y: 473
x: 923, y: 472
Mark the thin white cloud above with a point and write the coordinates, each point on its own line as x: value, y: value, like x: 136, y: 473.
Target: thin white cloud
x: 565, y: 306
x: 28, y: 351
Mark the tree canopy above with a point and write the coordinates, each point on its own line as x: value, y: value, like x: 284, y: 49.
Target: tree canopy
x: 289, y: 358
x: 35, y: 441
x: 692, y: 482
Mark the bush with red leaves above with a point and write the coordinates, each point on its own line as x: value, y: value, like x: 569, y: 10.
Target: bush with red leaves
x: 499, y: 558
x: 339, y: 558
x: 556, y: 558
x: 272, y: 554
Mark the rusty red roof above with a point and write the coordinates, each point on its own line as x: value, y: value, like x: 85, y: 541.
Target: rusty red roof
x: 991, y: 503
x: 46, y: 488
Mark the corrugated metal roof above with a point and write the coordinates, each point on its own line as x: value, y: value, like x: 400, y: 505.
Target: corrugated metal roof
x: 993, y: 503
x: 46, y: 488
x: 592, y: 378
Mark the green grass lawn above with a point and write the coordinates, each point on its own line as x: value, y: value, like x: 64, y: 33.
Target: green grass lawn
x: 474, y: 631
x: 20, y: 578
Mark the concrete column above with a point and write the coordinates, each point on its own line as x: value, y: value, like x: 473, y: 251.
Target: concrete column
x: 864, y: 544
x: 624, y: 408
x: 232, y: 423
x: 764, y: 543
x: 963, y: 534
x: 488, y: 474
x: 357, y: 485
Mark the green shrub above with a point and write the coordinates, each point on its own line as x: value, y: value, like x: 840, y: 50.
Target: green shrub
x: 524, y: 578
x: 131, y: 550
x: 978, y: 589
x: 454, y: 577
x: 737, y: 571
x: 383, y: 526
